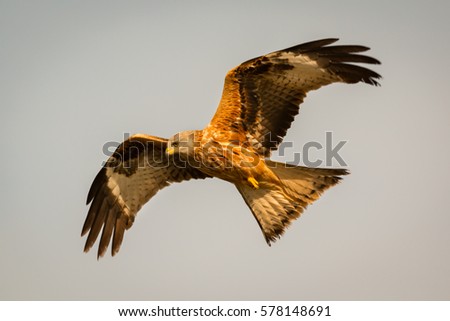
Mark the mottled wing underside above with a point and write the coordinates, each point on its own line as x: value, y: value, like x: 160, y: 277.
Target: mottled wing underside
x: 262, y: 96
x: 136, y: 171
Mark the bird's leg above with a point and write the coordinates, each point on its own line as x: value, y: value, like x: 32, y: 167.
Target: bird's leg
x: 253, y: 182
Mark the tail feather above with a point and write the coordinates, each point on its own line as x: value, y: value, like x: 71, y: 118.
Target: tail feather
x: 276, y: 206
x: 306, y: 183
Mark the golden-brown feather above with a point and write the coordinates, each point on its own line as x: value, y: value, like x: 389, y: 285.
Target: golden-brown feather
x: 262, y: 96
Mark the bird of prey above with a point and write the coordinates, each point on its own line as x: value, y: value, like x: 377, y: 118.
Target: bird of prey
x: 259, y: 101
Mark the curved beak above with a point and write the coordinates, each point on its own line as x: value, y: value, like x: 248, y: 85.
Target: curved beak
x: 170, y: 150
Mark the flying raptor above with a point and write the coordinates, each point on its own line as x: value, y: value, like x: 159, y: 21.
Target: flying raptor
x: 259, y: 102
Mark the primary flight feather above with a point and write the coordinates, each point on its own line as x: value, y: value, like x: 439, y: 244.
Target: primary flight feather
x: 259, y: 102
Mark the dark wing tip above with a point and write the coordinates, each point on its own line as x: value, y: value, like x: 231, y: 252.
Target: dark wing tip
x: 108, y: 229
x: 312, y: 45
x: 119, y: 231
x: 101, y: 215
x: 347, y: 57
x: 91, y: 216
x: 342, y: 171
x: 337, y: 59
x: 353, y: 73
x: 98, y: 182
x: 106, y: 216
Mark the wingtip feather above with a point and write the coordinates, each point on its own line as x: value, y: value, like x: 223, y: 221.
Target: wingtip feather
x: 98, y: 182
x: 311, y: 45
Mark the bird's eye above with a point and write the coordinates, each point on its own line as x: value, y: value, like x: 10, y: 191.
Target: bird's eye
x: 175, y: 144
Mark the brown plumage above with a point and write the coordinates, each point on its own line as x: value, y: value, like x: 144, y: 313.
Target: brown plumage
x: 259, y: 102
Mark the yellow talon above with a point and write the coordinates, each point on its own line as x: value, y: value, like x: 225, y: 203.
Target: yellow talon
x: 170, y: 150
x: 253, y: 182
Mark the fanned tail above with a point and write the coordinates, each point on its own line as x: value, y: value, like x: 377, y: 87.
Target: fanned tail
x: 275, y: 207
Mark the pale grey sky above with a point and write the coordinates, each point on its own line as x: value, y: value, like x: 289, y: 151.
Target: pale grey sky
x: 77, y: 74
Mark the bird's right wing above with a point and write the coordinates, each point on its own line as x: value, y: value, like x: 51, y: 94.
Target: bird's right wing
x: 136, y: 171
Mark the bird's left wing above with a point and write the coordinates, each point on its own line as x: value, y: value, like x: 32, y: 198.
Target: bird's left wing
x: 136, y: 171
x: 261, y: 96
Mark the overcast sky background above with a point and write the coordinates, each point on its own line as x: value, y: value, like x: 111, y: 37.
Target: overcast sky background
x: 77, y: 74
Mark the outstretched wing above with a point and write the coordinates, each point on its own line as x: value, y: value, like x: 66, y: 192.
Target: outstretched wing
x: 261, y: 96
x: 136, y: 171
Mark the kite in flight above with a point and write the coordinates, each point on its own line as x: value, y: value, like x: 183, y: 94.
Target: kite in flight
x: 259, y: 101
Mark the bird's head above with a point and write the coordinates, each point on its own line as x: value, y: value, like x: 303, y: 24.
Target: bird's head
x: 183, y: 144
